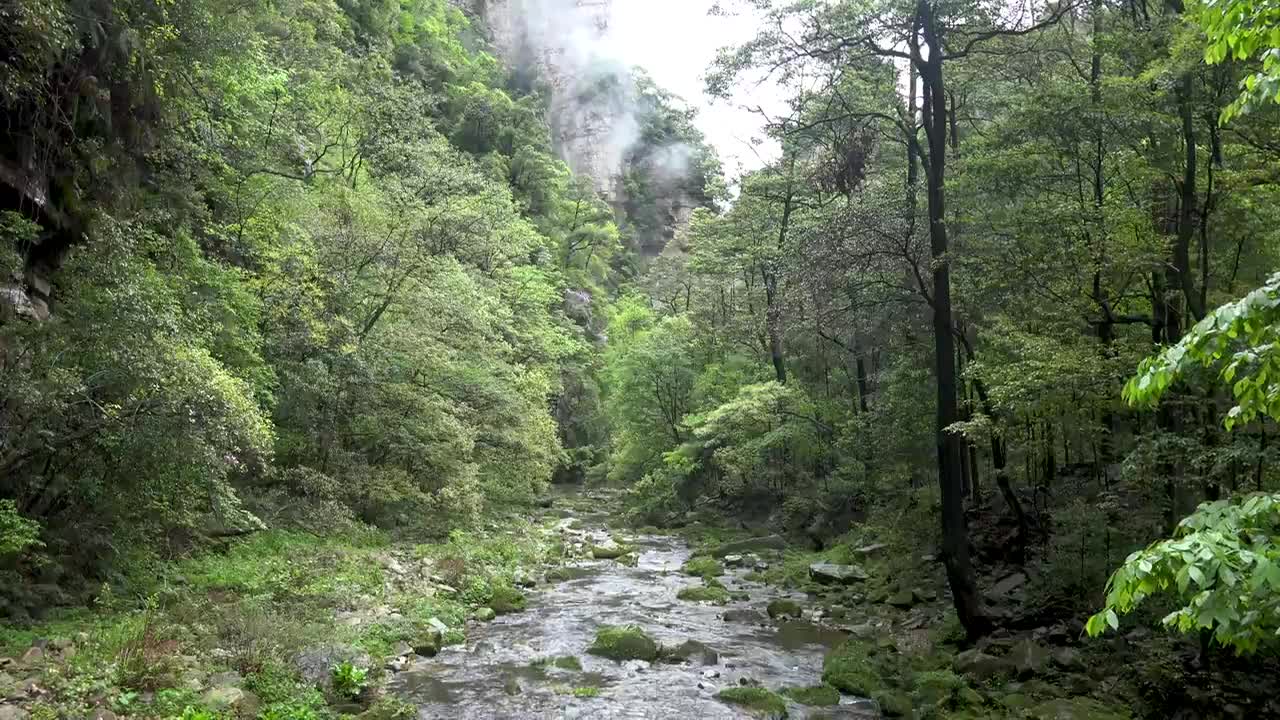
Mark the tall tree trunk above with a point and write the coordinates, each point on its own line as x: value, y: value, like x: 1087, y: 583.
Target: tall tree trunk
x: 955, y: 532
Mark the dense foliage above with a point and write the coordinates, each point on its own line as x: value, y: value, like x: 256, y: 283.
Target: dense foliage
x: 309, y: 261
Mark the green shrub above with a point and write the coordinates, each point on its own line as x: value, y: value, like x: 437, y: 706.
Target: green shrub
x: 349, y: 680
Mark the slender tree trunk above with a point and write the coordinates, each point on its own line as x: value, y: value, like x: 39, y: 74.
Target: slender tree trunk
x: 955, y: 532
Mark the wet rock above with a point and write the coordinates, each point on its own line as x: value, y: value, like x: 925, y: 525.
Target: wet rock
x: 756, y: 544
x: 784, y: 609
x: 524, y: 580
x: 608, y: 552
x: 833, y: 574
x: 624, y: 643
x: 710, y: 674
x: 691, y: 651
x: 760, y: 566
x: 315, y: 665
x: 1028, y: 658
x: 506, y: 600
x: 485, y: 614
x: 734, y: 560
x: 744, y: 615
x: 428, y: 642
x: 979, y: 665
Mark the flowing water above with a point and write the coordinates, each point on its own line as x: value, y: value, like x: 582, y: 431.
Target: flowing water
x: 494, y: 674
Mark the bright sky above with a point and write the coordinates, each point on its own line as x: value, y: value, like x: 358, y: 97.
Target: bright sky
x: 676, y: 41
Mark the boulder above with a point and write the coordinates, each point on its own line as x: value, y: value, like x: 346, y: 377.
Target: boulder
x: 756, y: 544
x: 833, y: 574
x: 427, y: 642
x: 784, y: 609
x: 33, y: 656
x: 1028, y: 657
x: 315, y: 665
x: 691, y: 651
x: 1067, y: 659
x: 979, y: 665
x: 744, y: 615
x: 1008, y: 585
x: 485, y: 614
x: 232, y: 701
x: 608, y: 552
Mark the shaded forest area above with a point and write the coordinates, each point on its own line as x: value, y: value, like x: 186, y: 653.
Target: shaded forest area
x: 314, y: 266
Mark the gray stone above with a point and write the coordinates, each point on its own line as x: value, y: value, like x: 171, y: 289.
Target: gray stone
x: 438, y: 625
x: 1008, y: 585
x: 315, y: 665
x: 33, y: 656
x: 232, y: 700
x: 833, y: 574
x: 12, y: 712
x: 979, y: 665
x: 734, y: 560
x: 1028, y: 657
x: 691, y: 651
x: 1068, y: 659
x: 744, y: 615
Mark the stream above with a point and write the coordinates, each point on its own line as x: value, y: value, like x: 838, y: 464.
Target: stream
x: 494, y: 675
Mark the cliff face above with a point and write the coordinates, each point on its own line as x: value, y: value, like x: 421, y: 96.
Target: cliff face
x: 592, y: 96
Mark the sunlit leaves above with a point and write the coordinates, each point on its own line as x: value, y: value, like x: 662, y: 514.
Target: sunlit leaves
x: 1243, y: 339
x: 1223, y: 564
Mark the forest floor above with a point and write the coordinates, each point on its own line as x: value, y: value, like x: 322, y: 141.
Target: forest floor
x: 507, y: 623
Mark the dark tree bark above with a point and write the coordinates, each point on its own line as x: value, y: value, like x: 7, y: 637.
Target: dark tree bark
x: 955, y: 531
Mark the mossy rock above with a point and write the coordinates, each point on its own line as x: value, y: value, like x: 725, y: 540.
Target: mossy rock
x: 609, y: 552
x: 624, y: 643
x: 706, y: 593
x: 568, y: 662
x: 704, y: 567
x: 944, y: 690
x: 506, y: 600
x: 784, y: 608
x: 850, y: 668
x: 485, y: 614
x: 894, y: 704
x: 691, y: 650
x: 816, y: 695
x: 757, y: 699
